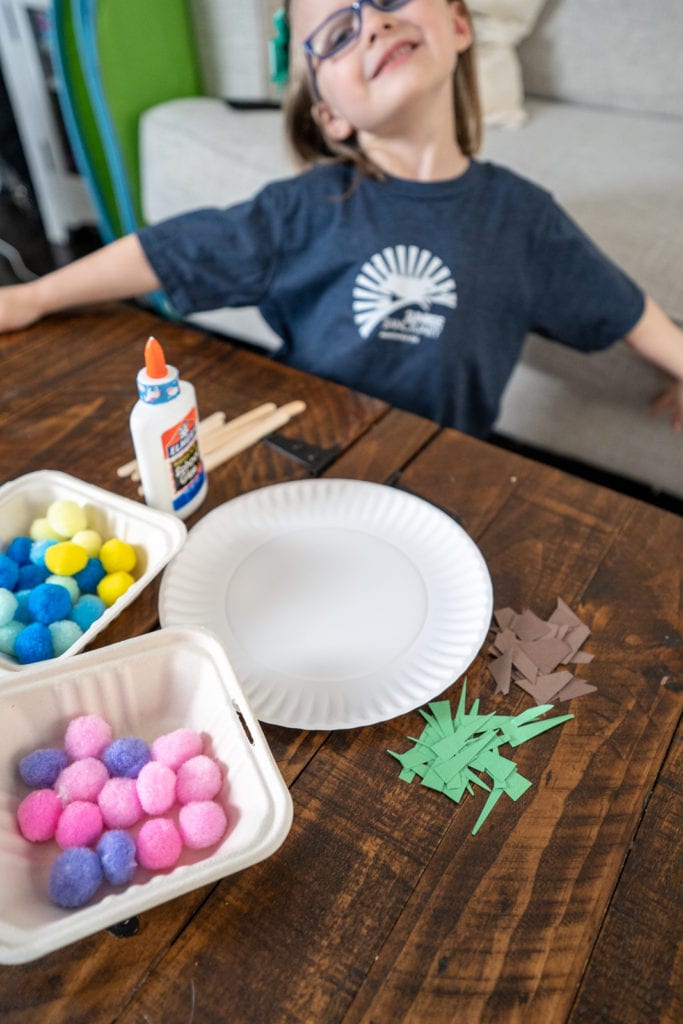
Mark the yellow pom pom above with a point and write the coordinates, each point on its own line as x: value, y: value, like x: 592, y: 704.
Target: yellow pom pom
x: 116, y: 555
x: 40, y: 529
x: 113, y: 586
x: 90, y: 540
x: 66, y: 558
x: 66, y: 518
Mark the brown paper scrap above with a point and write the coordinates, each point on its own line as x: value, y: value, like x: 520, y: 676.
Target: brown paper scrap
x: 530, y: 651
x: 501, y: 670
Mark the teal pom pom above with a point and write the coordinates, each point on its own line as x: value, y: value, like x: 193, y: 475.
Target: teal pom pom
x: 38, y: 549
x: 64, y: 635
x: 8, y: 636
x: 87, y: 610
x: 8, y: 606
x: 69, y: 584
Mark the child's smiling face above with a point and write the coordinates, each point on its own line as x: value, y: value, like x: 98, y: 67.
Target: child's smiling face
x: 400, y: 58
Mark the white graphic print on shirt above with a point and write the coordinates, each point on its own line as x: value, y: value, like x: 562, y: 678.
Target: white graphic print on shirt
x: 396, y: 281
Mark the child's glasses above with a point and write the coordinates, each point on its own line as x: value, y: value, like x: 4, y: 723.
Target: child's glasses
x: 340, y: 29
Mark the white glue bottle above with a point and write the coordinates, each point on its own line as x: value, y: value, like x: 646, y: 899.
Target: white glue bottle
x: 164, y: 424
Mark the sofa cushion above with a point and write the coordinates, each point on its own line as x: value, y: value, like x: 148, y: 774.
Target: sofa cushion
x: 593, y: 409
x: 619, y: 175
x: 201, y: 152
x: 499, y: 27
x: 615, y: 53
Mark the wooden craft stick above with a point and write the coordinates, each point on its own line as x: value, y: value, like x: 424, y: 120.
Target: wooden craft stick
x: 208, y: 431
x: 205, y: 428
x: 251, y: 434
x: 242, y: 432
x: 220, y: 435
x: 229, y: 430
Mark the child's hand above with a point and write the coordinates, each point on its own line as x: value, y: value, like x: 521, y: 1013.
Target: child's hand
x: 671, y: 402
x: 18, y: 307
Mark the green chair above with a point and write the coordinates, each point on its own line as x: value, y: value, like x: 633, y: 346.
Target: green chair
x: 116, y: 59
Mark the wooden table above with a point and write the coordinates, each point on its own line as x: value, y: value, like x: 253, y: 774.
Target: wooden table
x: 380, y: 906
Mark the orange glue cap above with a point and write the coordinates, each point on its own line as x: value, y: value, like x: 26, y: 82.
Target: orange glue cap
x: 155, y: 360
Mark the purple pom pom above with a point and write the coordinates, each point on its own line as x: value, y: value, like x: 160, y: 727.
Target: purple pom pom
x: 75, y: 877
x: 41, y: 768
x: 116, y: 850
x: 126, y: 756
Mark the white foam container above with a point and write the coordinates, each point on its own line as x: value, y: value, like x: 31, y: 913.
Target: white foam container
x: 145, y: 687
x: 156, y: 536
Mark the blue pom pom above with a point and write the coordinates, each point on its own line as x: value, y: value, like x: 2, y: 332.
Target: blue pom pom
x: 69, y: 584
x: 116, y: 850
x: 125, y: 757
x: 31, y: 576
x: 38, y: 549
x: 75, y: 877
x: 88, y: 578
x: 20, y: 550
x: 49, y: 602
x: 87, y: 610
x: 40, y: 768
x: 34, y: 643
x: 9, y: 572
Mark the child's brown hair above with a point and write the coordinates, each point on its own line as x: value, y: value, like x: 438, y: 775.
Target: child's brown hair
x: 310, y: 145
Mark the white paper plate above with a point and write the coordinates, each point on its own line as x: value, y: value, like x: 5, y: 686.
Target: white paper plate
x: 340, y: 602
x: 143, y: 687
x: 156, y: 536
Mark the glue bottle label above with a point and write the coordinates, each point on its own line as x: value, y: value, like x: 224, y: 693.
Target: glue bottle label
x: 182, y: 456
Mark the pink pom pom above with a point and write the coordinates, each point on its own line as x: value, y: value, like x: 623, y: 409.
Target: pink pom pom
x: 202, y: 823
x: 119, y: 803
x: 156, y: 787
x: 82, y: 780
x: 158, y: 844
x: 87, y: 736
x: 198, y: 779
x: 176, y: 747
x: 79, y: 825
x: 38, y: 815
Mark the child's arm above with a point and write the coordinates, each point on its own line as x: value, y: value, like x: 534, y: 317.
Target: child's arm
x: 117, y: 271
x: 658, y: 339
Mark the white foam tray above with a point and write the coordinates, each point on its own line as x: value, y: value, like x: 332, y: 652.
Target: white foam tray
x: 156, y: 536
x: 145, y: 687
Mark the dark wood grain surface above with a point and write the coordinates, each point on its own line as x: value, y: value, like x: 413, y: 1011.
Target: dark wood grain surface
x: 380, y: 907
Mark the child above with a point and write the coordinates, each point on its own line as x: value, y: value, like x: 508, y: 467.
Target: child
x: 397, y: 264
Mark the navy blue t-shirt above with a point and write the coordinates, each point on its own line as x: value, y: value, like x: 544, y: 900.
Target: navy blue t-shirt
x: 420, y: 293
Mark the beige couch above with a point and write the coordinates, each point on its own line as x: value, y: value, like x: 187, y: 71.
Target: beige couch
x: 599, y: 122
